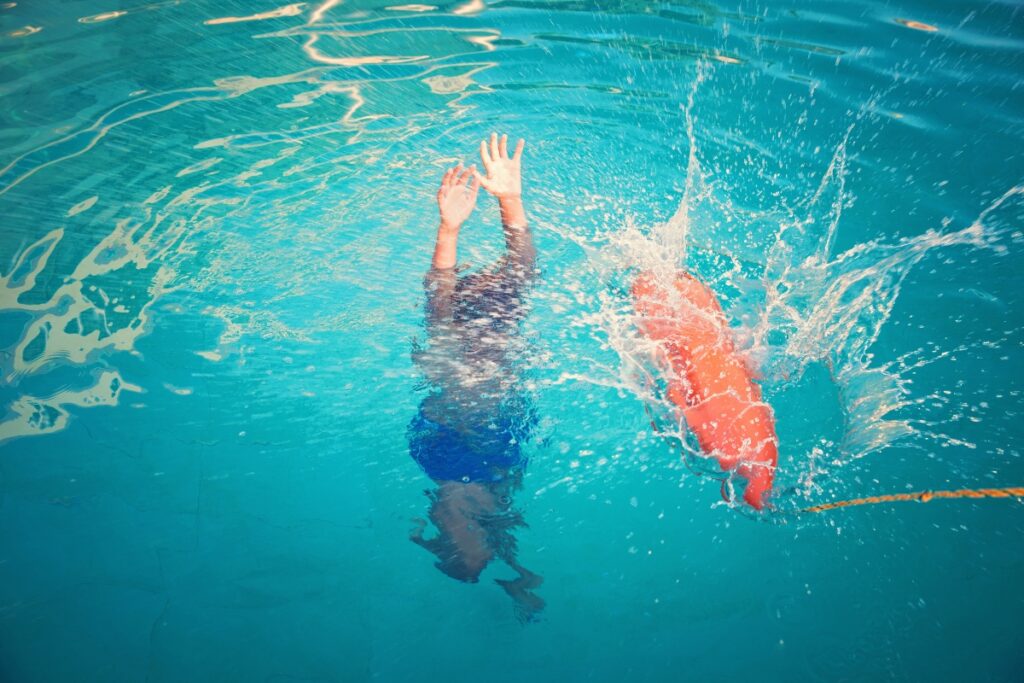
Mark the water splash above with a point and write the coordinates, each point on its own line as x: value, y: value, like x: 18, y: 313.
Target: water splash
x: 805, y: 313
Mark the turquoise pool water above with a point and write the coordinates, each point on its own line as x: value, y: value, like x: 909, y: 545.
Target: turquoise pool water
x: 215, y: 220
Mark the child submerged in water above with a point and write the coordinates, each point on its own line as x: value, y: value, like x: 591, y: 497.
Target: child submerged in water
x: 468, y: 432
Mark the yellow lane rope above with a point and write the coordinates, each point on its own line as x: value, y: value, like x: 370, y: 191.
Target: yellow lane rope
x: 922, y: 496
x: 919, y: 496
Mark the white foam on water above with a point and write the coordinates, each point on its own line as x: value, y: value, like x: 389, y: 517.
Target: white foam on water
x: 803, y: 307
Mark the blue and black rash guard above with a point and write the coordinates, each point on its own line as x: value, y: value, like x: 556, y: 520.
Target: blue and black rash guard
x: 471, y: 425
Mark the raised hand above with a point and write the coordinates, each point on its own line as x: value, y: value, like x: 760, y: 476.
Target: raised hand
x: 457, y: 196
x: 503, y: 179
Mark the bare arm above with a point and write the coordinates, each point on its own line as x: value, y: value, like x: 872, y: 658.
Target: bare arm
x: 504, y: 181
x: 455, y: 200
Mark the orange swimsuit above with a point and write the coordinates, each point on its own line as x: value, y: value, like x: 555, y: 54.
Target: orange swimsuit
x: 709, y: 382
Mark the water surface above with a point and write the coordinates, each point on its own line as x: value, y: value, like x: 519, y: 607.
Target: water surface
x: 215, y: 219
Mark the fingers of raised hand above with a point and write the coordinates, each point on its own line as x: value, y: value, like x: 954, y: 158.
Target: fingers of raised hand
x: 495, y: 153
x: 519, y: 150
x: 441, y: 191
x: 485, y: 155
x: 451, y: 177
x: 503, y: 147
x: 465, y: 175
x: 481, y: 180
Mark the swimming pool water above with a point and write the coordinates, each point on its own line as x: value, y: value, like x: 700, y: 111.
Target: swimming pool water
x: 215, y: 219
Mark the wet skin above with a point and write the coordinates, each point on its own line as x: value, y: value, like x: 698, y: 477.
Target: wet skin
x: 470, y: 425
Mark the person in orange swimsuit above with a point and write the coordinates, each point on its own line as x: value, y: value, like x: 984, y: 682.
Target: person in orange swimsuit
x: 708, y: 381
